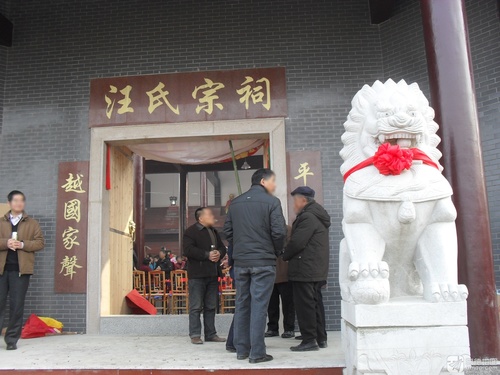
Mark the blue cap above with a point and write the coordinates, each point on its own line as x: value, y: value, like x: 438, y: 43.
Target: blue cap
x: 306, y: 191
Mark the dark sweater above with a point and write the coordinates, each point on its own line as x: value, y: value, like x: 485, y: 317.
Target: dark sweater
x: 12, y: 262
x: 197, y: 246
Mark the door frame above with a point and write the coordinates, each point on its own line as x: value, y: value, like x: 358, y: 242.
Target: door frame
x: 98, y: 222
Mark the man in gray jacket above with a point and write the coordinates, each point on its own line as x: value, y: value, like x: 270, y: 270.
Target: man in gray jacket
x: 256, y: 227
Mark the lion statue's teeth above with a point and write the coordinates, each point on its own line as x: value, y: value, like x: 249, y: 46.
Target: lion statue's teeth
x: 404, y: 142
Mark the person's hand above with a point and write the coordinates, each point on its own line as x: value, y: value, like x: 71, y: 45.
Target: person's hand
x: 11, y: 244
x: 18, y: 245
x: 214, y: 256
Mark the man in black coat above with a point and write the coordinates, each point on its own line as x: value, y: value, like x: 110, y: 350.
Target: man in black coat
x: 256, y: 227
x: 204, y: 250
x: 308, y: 254
x: 164, y: 263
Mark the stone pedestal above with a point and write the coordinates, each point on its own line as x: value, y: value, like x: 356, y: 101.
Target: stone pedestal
x: 405, y: 336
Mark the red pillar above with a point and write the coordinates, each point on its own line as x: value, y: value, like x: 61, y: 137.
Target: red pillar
x: 139, y: 202
x: 453, y: 98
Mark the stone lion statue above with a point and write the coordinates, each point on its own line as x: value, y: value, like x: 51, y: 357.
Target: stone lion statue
x: 399, y: 220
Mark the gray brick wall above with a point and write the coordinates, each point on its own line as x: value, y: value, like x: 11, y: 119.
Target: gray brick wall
x: 4, y: 53
x: 403, y: 47
x: 3, y: 71
x: 404, y: 57
x: 484, y: 30
x: 328, y: 47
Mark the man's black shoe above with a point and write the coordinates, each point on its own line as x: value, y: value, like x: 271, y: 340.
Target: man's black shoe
x: 288, y: 334
x: 267, y: 358
x: 11, y: 346
x: 271, y: 334
x: 299, y: 337
x: 231, y: 349
x: 323, y: 344
x: 305, y: 347
x: 241, y: 357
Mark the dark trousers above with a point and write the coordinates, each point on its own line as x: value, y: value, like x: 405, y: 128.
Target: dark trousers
x: 310, y: 310
x: 230, y: 337
x: 254, y: 286
x: 321, y: 319
x: 203, y: 295
x: 14, y: 286
x: 285, y: 290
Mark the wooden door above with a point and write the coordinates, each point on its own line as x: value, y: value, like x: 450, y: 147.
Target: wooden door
x: 121, y: 200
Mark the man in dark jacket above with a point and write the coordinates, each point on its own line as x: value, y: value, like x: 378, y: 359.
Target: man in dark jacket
x: 256, y: 227
x: 204, y: 250
x: 164, y: 263
x: 308, y: 253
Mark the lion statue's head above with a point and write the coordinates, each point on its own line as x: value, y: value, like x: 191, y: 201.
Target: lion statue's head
x: 392, y: 112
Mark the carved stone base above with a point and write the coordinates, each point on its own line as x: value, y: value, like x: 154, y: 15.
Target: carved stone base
x: 405, y: 336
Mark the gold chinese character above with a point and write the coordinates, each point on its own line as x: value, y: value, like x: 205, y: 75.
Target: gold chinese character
x: 72, y: 210
x: 125, y: 102
x: 157, y: 97
x: 70, y: 238
x: 209, y: 96
x: 304, y: 171
x: 257, y: 93
x: 68, y: 266
x: 73, y: 183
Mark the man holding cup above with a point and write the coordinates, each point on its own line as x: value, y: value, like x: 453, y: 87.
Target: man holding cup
x: 20, y: 238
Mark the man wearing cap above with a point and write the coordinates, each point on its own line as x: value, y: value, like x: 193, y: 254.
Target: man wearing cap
x: 308, y: 254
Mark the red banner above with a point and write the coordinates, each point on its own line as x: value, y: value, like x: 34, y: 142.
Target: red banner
x: 188, y: 97
x: 71, y: 227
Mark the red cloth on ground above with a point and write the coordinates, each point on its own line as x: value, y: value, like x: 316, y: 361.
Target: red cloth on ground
x: 139, y: 305
x: 35, y: 327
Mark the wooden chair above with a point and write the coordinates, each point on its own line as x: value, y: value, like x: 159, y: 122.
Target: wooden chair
x: 179, y: 292
x: 158, y: 289
x: 140, y: 283
x: 227, y: 294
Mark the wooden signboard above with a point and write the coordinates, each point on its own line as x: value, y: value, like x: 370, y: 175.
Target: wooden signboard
x: 304, y: 169
x: 188, y: 97
x: 71, y: 227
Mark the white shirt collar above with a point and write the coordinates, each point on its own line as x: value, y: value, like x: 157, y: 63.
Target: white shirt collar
x: 15, y: 219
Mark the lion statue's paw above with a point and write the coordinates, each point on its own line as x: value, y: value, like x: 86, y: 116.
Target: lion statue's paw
x: 369, y: 282
x: 436, y: 292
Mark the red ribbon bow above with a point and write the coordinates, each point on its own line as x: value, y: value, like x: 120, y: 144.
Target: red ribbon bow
x: 392, y: 160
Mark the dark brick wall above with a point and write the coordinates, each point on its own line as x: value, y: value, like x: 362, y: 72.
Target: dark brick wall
x: 403, y: 49
x: 404, y: 57
x: 484, y: 31
x: 3, y: 69
x: 329, y: 49
x: 4, y: 53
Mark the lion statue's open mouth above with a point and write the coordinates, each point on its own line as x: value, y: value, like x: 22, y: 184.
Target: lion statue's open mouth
x: 402, y: 139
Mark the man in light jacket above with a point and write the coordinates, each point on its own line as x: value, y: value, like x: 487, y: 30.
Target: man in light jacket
x: 20, y: 238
